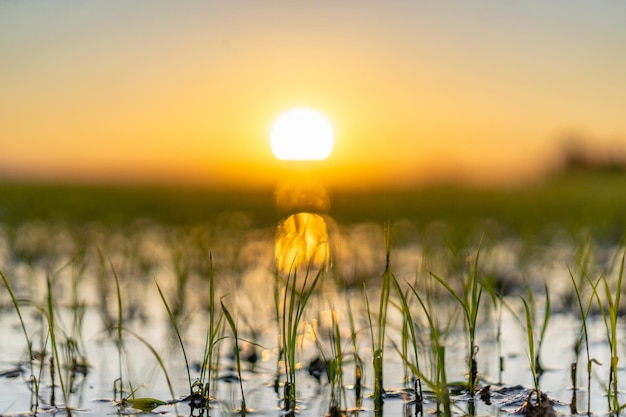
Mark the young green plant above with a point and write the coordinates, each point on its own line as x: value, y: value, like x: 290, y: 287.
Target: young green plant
x: 149, y: 404
x: 610, y: 313
x: 497, y: 301
x: 55, y: 362
x: 119, y: 343
x: 547, y: 312
x: 532, y: 358
x: 378, y: 337
x: 335, y: 366
x: 29, y: 345
x: 333, y: 362
x: 358, y: 365
x: 233, y: 328
x: 408, y: 331
x: 438, y: 382
x: 294, y: 303
x: 584, y: 335
x: 469, y: 300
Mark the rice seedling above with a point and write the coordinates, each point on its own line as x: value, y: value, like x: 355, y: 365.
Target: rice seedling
x: 584, y: 334
x: 378, y: 336
x: 408, y: 333
x: 442, y: 381
x: 610, y: 314
x: 335, y: 367
x: 119, y: 397
x: 294, y: 303
x: 584, y: 260
x: 55, y: 360
x: 199, y: 390
x: 34, y: 403
x: 75, y: 351
x: 532, y: 358
x: 469, y: 300
x: 50, y: 331
x: 438, y: 382
x: 497, y: 302
x: 233, y: 328
x: 358, y: 364
x: 119, y: 328
x: 119, y: 389
x: 279, y: 334
x: 148, y: 404
x: 331, y: 365
x: 543, y: 405
x: 404, y: 346
x: 547, y: 312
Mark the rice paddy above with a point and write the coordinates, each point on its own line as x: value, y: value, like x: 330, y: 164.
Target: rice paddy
x: 444, y: 301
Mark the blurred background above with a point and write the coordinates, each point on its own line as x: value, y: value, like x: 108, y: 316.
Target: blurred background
x: 161, y: 92
x: 162, y: 108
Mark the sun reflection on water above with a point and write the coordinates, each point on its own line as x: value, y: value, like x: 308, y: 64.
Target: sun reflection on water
x: 302, y: 242
x: 302, y: 238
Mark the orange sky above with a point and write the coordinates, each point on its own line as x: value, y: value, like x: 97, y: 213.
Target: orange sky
x: 161, y: 91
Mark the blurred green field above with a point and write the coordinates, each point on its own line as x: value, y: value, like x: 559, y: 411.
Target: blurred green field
x: 579, y: 202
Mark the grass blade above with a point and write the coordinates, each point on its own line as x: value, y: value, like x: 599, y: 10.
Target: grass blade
x: 180, y: 339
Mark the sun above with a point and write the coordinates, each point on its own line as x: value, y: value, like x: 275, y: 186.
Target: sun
x: 302, y: 134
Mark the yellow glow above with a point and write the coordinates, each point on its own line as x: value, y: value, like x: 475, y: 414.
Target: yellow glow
x: 302, y: 134
x: 470, y: 104
x: 302, y: 242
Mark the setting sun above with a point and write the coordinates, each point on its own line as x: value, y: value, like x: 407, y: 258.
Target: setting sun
x: 302, y: 134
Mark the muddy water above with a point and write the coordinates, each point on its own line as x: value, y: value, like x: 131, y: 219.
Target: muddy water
x: 242, y: 265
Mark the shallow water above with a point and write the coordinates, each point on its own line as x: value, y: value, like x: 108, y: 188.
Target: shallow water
x: 81, y: 264
x: 94, y: 392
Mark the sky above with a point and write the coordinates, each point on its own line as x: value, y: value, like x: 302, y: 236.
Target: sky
x: 186, y: 92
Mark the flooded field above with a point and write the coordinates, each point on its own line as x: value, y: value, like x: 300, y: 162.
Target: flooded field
x: 307, y: 209
x: 392, y: 318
